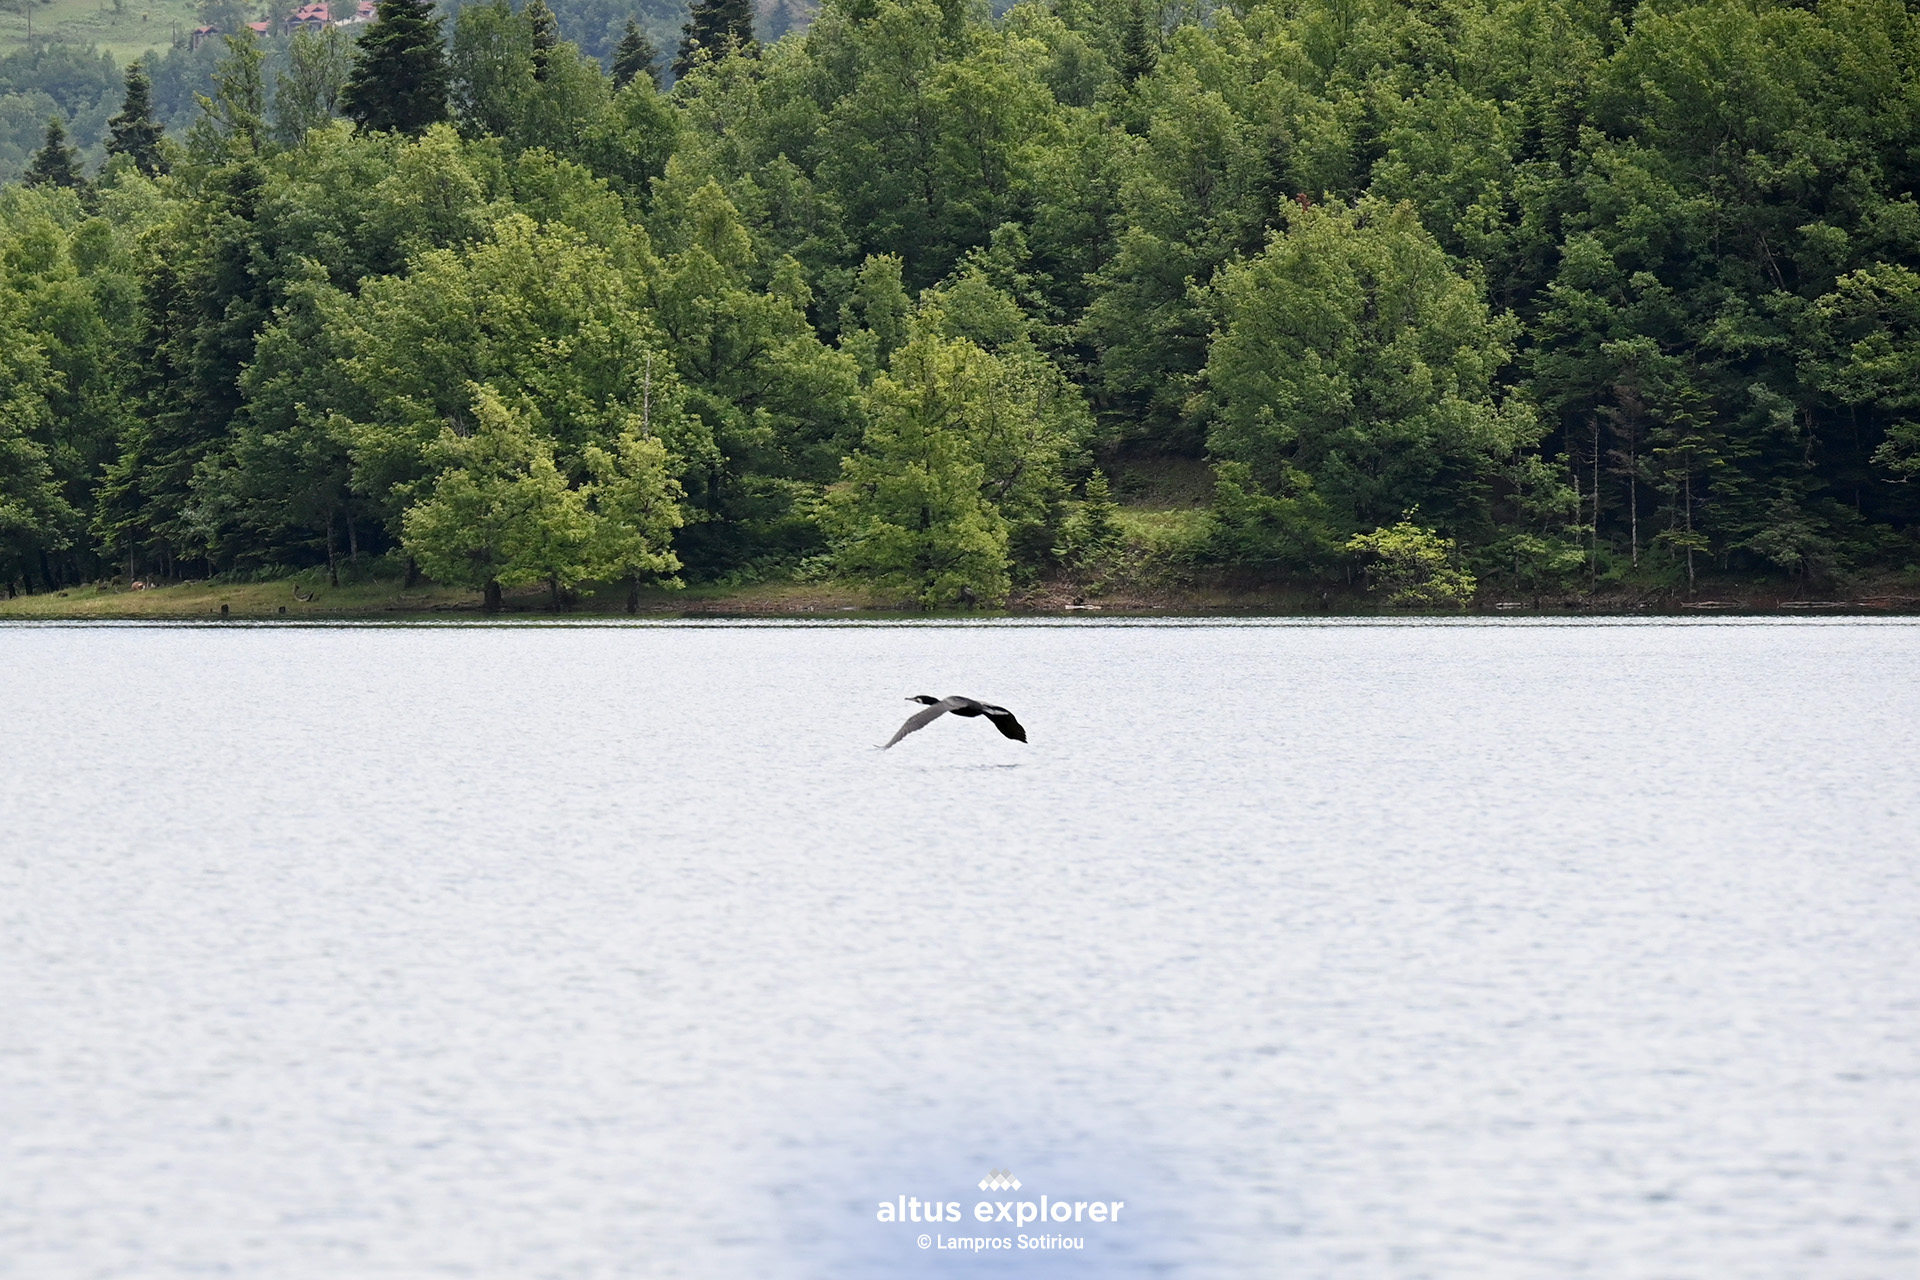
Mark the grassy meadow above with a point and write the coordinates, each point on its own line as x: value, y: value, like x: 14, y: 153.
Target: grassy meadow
x: 124, y: 28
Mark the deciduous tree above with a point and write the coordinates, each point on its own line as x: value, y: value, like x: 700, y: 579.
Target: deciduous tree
x: 499, y: 513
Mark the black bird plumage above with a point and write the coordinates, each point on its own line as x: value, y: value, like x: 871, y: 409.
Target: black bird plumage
x: 936, y: 707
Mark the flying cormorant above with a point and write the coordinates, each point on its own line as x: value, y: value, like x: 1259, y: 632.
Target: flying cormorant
x: 936, y: 707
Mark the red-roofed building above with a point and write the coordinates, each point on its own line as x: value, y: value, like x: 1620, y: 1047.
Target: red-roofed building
x: 199, y: 34
x: 310, y: 17
x: 259, y: 28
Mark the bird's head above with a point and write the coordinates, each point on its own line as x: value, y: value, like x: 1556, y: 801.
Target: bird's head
x: 925, y: 699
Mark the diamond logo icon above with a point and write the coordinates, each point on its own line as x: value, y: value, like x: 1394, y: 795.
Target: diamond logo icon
x: 999, y: 1180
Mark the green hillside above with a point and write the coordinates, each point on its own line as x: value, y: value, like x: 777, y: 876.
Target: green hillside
x: 123, y: 28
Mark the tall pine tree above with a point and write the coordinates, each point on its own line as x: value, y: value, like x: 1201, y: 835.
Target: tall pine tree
x: 134, y: 132
x: 399, y: 79
x: 543, y: 32
x: 1136, y: 51
x: 55, y: 164
x: 635, y: 57
x: 714, y: 29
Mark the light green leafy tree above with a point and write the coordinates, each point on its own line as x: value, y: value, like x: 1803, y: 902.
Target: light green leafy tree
x: 636, y: 506
x: 499, y: 513
x: 1414, y: 565
x: 924, y: 151
x: 490, y: 68
x: 1352, y: 351
x: 910, y: 513
x: 1869, y: 357
x: 1034, y: 422
x: 68, y: 292
x: 556, y: 324
x: 874, y: 318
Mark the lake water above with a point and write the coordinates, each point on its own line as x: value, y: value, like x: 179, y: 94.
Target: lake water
x: 1426, y: 949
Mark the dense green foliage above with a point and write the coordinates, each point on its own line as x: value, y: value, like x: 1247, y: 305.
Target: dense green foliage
x: 82, y: 88
x: 1528, y: 293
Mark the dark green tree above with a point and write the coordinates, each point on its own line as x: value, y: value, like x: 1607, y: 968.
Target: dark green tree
x: 34, y: 519
x: 714, y: 29
x: 204, y: 301
x: 135, y: 132
x: 635, y: 57
x: 399, y: 78
x: 1137, y: 54
x: 55, y: 164
x: 543, y: 31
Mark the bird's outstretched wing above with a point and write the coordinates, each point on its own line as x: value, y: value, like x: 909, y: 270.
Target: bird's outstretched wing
x: 1003, y: 721
x: 918, y: 720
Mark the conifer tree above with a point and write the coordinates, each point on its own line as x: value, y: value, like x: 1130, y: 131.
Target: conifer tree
x: 714, y: 29
x: 55, y: 164
x: 635, y: 57
x: 1136, y: 50
x: 544, y: 32
x: 134, y: 132
x: 399, y: 79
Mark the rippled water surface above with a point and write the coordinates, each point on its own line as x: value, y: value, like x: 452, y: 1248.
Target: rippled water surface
x: 1462, y: 950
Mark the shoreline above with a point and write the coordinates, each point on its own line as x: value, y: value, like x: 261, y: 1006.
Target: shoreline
x: 367, y: 600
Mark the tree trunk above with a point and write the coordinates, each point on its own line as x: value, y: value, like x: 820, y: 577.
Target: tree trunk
x: 1689, y: 534
x: 333, y: 559
x: 413, y: 575
x: 353, y: 542
x: 1633, y: 503
x: 1593, y: 567
x: 491, y: 602
x: 553, y: 591
x: 633, y: 594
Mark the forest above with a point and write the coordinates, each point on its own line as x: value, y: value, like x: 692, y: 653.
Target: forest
x: 1449, y: 297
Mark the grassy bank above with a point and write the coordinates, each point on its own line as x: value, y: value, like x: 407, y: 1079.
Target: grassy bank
x: 1155, y: 593
x: 388, y: 599
x: 1159, y: 566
